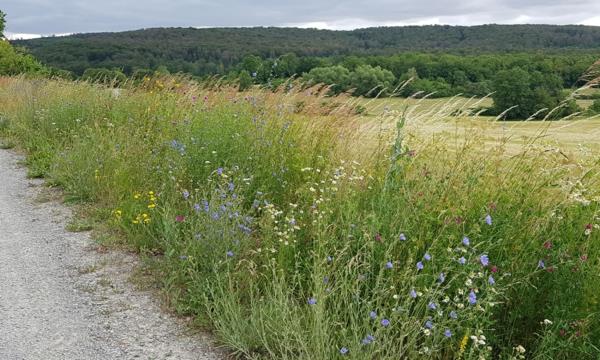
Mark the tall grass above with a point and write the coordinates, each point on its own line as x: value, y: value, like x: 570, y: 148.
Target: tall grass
x: 297, y: 230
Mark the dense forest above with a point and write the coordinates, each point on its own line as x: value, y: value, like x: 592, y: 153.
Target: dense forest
x: 218, y: 50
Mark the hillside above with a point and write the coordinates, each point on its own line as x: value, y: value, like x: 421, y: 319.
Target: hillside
x: 216, y: 50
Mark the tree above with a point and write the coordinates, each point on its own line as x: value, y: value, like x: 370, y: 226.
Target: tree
x: 336, y: 76
x: 528, y: 93
x: 2, y: 23
x: 245, y: 80
x: 370, y: 81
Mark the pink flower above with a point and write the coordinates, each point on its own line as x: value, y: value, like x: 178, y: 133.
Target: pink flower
x: 180, y: 218
x: 547, y: 245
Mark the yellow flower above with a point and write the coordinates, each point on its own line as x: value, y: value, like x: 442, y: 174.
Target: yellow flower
x: 135, y: 222
x: 463, y: 343
x: 151, y: 206
x: 136, y: 196
x: 144, y: 215
x: 118, y: 213
x: 146, y: 220
x: 150, y: 192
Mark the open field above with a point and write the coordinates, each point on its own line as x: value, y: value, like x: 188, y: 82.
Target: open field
x: 295, y: 229
x: 432, y: 118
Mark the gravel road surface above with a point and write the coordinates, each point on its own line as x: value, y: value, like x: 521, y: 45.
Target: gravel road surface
x: 61, y: 298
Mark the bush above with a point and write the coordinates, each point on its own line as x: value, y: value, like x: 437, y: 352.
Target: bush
x: 526, y: 94
x: 14, y: 61
x: 371, y: 81
x: 595, y: 107
x: 335, y: 76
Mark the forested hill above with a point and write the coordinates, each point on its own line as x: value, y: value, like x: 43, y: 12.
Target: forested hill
x: 216, y: 50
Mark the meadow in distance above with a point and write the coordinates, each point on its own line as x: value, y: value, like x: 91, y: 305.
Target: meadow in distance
x: 294, y: 224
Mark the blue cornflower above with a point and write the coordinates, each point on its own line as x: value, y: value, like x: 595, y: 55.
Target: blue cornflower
x: 442, y: 278
x: 491, y: 280
x: 453, y: 315
x: 488, y: 219
x: 385, y: 322
x: 220, y: 171
x: 402, y: 237
x: 413, y: 293
x: 389, y: 265
x: 466, y: 241
x: 186, y: 194
x: 312, y: 301
x: 197, y: 207
x: 462, y: 260
x: 419, y: 265
x: 216, y: 216
x: 484, y: 260
x: 541, y: 264
x: 427, y: 256
x: 368, y: 339
x: 344, y: 351
x: 432, y: 306
x: 373, y: 315
x: 231, y: 186
x: 429, y: 324
x: 472, y: 298
x: 447, y: 333
x: 205, y: 205
x: 230, y: 253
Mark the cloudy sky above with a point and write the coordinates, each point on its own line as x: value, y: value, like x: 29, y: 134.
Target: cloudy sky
x: 73, y: 16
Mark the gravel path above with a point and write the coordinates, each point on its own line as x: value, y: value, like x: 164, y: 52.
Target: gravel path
x: 62, y: 299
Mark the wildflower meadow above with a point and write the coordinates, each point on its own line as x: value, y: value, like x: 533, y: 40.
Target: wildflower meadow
x: 294, y: 228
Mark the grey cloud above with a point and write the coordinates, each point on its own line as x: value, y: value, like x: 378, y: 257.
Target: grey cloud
x: 66, y: 16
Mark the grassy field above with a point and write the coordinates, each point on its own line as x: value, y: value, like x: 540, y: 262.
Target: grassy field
x: 432, y: 118
x: 295, y: 229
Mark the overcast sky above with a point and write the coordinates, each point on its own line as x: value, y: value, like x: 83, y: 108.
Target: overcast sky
x: 74, y: 16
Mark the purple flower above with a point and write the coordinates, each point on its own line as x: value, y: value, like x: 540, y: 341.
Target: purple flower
x: 428, y: 324
x: 472, y: 298
x: 197, y: 207
x: 484, y: 260
x: 183, y: 257
x: 389, y: 265
x: 427, y: 256
x: 491, y: 280
x: 402, y: 237
x: 344, y: 351
x: 466, y: 241
x: 385, y: 322
x: 541, y: 264
x: 205, y: 205
x: 186, y: 194
x: 312, y: 301
x: 230, y: 253
x: 419, y: 265
x: 230, y: 186
x: 368, y: 339
x: 413, y: 293
x: 373, y: 315
x: 453, y: 315
x: 220, y: 171
x: 432, y: 306
x: 462, y: 260
x: 442, y: 278
x: 447, y: 333
x: 488, y: 219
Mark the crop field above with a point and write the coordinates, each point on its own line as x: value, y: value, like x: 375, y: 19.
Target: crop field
x: 294, y: 228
